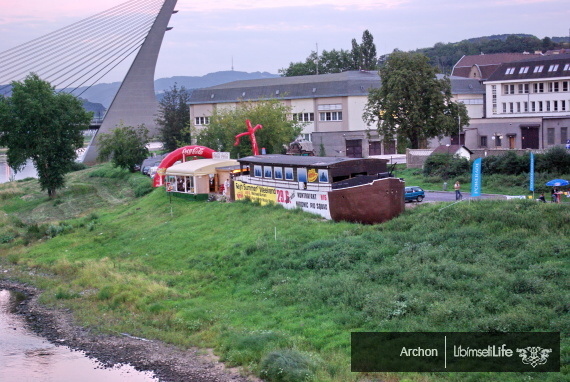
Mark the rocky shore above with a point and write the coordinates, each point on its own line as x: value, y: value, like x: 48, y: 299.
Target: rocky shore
x: 168, y: 363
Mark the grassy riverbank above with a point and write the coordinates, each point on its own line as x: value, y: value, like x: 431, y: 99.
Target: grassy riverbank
x: 280, y: 291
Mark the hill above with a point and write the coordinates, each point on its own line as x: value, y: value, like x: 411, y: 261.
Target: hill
x: 279, y: 291
x: 104, y: 93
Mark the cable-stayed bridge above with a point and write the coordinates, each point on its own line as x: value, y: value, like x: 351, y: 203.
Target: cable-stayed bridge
x: 78, y: 56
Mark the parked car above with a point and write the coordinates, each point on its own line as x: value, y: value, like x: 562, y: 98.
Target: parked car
x: 414, y: 193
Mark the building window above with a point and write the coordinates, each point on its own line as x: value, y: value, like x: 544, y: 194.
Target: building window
x: 307, y: 137
x: 533, y: 106
x: 539, y: 87
x: 511, y: 107
x: 563, y: 105
x: 555, y: 105
x: 547, y: 105
x: 550, y: 136
x: 565, y: 86
x: 510, y: 71
x: 553, y: 68
x: 523, y: 70
x: 518, y: 107
x: 331, y: 116
x: 539, y: 106
x: 563, y: 135
x: 483, y: 141
x: 504, y: 107
x: 523, y: 88
x: 199, y: 121
x: 498, y: 141
x: 567, y: 67
x: 494, y: 91
x: 304, y: 117
x: 509, y: 89
x: 526, y: 107
x: 556, y: 86
x: 538, y: 69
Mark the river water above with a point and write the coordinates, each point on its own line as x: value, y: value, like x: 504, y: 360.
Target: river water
x: 7, y: 174
x: 27, y: 357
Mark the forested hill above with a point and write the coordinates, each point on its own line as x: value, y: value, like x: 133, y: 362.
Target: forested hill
x: 444, y: 56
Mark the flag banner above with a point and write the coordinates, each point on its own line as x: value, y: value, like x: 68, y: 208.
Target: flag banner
x: 476, y: 178
x: 532, y: 172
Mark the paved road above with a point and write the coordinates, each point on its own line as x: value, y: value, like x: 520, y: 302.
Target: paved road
x: 449, y: 196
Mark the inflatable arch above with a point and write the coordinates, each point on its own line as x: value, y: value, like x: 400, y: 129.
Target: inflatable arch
x: 179, y: 154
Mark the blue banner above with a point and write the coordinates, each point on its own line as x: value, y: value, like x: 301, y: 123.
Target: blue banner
x: 476, y: 178
x: 532, y: 172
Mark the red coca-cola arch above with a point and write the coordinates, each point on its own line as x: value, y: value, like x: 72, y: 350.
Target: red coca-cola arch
x: 179, y: 154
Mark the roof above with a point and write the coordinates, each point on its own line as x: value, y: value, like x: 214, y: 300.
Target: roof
x: 486, y: 63
x: 451, y: 149
x: 563, y: 61
x: 199, y: 167
x: 462, y: 85
x: 350, y: 83
x: 292, y: 160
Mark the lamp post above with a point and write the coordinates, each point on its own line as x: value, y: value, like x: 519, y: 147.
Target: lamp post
x: 446, y: 169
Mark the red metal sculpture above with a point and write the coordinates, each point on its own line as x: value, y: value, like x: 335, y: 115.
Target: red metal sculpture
x: 251, y: 132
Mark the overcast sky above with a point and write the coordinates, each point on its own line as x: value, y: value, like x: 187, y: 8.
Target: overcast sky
x: 266, y: 35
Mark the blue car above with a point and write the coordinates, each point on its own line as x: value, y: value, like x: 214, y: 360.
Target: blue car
x: 414, y: 193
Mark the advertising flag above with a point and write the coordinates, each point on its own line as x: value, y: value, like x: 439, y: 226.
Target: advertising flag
x: 532, y: 172
x: 476, y: 178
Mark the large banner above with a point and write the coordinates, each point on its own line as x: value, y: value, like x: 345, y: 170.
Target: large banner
x: 476, y: 178
x: 310, y: 201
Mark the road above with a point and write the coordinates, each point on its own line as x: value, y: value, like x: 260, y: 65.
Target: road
x: 449, y: 196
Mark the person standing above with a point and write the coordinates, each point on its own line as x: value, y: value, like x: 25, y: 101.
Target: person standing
x: 457, y: 188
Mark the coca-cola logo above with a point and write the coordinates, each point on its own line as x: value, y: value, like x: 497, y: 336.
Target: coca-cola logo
x: 193, y: 151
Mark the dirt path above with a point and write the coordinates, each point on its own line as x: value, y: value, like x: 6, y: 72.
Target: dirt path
x: 167, y: 362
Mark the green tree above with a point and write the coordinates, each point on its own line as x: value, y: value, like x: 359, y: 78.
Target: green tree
x: 39, y: 124
x: 174, y: 117
x: 412, y: 104
x: 125, y: 145
x: 368, y: 52
x: 355, y: 55
x: 279, y: 129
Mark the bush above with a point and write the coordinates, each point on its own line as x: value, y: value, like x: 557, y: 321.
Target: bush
x: 446, y: 166
x: 77, y: 166
x: 141, y: 185
x: 287, y: 366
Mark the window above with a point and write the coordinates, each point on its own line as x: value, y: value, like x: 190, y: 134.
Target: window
x: 553, y: 87
x: 511, y: 108
x: 494, y: 91
x: 538, y: 69
x: 533, y: 106
x: 526, y: 107
x: 523, y: 88
x: 518, y: 107
x: 563, y: 135
x: 555, y: 105
x: 510, y: 71
x: 539, y: 105
x: 565, y: 86
x: 304, y: 117
x: 199, y: 121
x: 504, y: 107
x: 550, y: 136
x: 498, y: 141
x: 509, y: 89
x: 567, y: 67
x: 553, y: 68
x: 547, y: 105
x: 331, y: 116
x: 538, y: 87
x: 563, y: 105
x: 483, y: 142
x: 523, y: 70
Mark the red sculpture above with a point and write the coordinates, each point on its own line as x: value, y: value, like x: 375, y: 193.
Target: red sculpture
x: 251, y: 133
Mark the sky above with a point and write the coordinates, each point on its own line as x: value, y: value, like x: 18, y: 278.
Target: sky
x: 267, y: 35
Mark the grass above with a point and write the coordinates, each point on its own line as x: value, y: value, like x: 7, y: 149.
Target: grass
x: 214, y: 275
